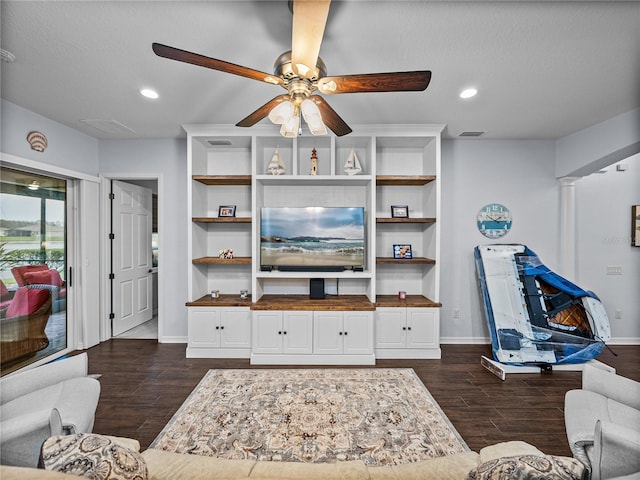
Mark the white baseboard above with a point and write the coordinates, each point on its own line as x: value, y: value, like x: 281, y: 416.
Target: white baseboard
x: 166, y: 339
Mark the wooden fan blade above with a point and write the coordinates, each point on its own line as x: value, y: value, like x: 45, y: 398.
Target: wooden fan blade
x: 309, y: 20
x: 330, y: 118
x: 376, y: 82
x: 173, y: 53
x: 261, y: 112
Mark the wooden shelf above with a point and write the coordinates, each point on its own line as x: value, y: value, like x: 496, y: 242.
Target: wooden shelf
x: 410, y: 301
x: 224, y: 300
x: 404, y: 220
x: 404, y: 179
x: 221, y: 219
x: 303, y: 302
x: 398, y: 261
x: 223, y: 179
x: 222, y: 261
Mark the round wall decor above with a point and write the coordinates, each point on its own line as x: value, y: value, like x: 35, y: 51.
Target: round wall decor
x: 494, y: 220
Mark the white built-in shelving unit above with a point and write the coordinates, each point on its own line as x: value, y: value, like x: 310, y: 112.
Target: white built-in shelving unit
x: 228, y: 166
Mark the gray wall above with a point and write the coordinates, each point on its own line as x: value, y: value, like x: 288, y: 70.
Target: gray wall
x: 165, y: 158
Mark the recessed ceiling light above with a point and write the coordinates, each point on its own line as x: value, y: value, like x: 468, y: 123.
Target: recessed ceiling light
x: 468, y: 93
x: 147, y: 92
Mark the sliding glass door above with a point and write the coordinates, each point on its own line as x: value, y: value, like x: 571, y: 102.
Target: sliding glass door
x: 33, y: 267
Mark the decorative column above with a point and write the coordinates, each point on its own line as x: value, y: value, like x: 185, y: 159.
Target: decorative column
x: 568, y: 227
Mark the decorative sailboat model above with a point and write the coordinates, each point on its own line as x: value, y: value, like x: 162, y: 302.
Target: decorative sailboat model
x: 352, y: 165
x: 276, y: 165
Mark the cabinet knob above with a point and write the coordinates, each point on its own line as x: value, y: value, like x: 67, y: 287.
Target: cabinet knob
x: 339, y: 333
x: 404, y: 328
x: 346, y: 333
x: 285, y: 332
x: 280, y: 332
x: 217, y: 328
x: 222, y: 328
x: 408, y: 328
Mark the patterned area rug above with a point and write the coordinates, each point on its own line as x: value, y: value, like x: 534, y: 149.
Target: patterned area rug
x: 380, y: 416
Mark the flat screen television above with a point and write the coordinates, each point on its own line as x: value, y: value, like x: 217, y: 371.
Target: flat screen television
x: 312, y: 238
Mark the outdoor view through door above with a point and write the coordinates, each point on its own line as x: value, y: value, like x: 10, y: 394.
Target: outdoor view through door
x: 33, y: 268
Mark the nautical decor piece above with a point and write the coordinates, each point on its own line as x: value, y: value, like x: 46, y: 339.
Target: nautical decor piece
x: 276, y: 165
x: 226, y: 253
x: 314, y: 162
x: 352, y: 165
x: 535, y: 316
x: 494, y: 220
x: 37, y: 140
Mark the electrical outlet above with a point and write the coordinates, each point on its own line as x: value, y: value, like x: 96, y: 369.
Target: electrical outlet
x: 614, y: 269
x: 455, y: 313
x: 618, y: 314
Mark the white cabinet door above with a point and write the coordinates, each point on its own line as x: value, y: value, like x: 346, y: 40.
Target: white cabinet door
x: 423, y: 328
x: 328, y: 333
x: 358, y: 333
x: 391, y: 329
x: 297, y: 328
x: 267, y: 331
x: 235, y: 327
x: 204, y: 328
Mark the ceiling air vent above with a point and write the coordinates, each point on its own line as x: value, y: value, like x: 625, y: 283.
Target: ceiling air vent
x: 220, y: 142
x: 471, y: 134
x: 113, y: 127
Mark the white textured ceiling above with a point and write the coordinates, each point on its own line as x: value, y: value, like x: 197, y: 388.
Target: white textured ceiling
x: 543, y: 69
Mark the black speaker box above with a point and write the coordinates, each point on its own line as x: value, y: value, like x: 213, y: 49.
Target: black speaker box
x: 316, y: 288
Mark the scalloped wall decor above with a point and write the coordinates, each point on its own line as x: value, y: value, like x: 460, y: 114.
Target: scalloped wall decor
x: 37, y: 140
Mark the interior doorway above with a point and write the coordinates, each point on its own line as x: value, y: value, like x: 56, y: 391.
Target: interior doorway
x: 134, y: 264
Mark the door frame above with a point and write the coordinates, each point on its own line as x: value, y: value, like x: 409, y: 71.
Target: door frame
x: 105, y: 260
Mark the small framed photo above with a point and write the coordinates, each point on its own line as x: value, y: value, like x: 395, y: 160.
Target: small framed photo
x: 402, y: 252
x: 227, y: 211
x: 399, y: 211
x: 635, y: 225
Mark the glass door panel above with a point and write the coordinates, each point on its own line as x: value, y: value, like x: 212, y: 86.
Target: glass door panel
x: 33, y: 266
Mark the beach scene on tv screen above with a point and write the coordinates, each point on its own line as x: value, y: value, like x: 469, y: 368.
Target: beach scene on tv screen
x: 312, y: 236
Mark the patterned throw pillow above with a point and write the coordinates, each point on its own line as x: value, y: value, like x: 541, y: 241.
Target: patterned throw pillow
x: 528, y: 467
x: 92, y: 456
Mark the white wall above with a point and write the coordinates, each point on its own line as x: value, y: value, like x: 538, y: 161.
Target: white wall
x: 516, y: 173
x: 168, y: 158
x: 603, y: 219
x: 587, y: 151
x: 67, y: 148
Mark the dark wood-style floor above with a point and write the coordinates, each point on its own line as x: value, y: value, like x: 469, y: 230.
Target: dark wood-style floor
x: 144, y: 383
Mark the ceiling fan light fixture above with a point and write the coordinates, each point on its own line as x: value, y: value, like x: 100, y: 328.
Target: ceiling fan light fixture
x: 312, y: 116
x: 281, y: 113
x: 291, y: 127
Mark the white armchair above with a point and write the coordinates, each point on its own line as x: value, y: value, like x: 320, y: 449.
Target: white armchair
x: 53, y: 399
x: 603, y: 424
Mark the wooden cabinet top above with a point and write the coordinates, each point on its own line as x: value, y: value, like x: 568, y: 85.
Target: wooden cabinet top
x: 303, y: 302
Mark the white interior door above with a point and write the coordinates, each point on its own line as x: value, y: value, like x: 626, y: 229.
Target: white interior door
x: 132, y: 282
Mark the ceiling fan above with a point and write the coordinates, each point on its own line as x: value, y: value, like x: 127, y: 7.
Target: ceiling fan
x: 302, y: 73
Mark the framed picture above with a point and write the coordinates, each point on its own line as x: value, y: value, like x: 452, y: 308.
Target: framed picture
x: 635, y: 225
x: 402, y: 252
x: 227, y: 211
x: 399, y: 211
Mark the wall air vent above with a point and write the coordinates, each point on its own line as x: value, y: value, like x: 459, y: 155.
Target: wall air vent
x: 220, y: 142
x: 471, y: 134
